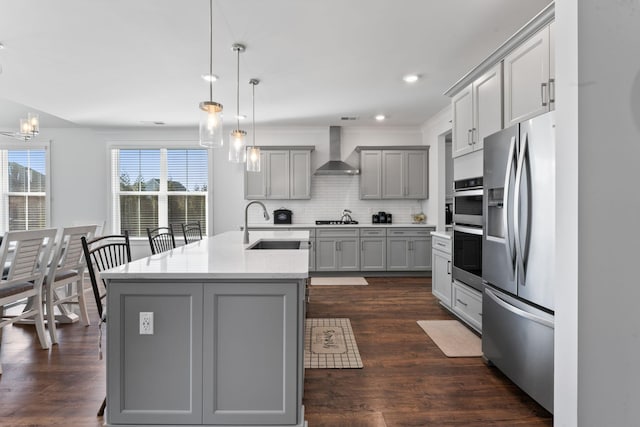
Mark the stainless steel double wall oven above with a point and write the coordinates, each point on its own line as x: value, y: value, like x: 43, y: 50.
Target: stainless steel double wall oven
x: 467, y: 232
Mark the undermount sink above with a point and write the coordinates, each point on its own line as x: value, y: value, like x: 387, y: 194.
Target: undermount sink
x: 276, y: 244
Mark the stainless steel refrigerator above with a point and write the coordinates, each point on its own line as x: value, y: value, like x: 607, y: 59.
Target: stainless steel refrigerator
x: 518, y: 254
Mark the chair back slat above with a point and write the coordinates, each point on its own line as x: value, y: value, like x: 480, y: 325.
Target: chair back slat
x: 30, y: 252
x: 192, y: 232
x: 69, y: 254
x: 161, y: 239
x: 103, y: 253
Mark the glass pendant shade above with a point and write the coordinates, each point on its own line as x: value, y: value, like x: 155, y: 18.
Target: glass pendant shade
x: 253, y: 159
x: 211, y: 124
x: 237, y: 146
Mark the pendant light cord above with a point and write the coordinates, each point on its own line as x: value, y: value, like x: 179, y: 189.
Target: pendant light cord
x: 211, y: 50
x: 253, y: 112
x: 238, y: 91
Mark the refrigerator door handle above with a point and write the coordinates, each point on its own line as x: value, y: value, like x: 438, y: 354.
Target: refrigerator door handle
x: 516, y: 210
x: 517, y: 311
x: 505, y: 214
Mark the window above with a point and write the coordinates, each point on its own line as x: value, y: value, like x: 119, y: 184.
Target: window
x: 23, y: 187
x: 157, y: 187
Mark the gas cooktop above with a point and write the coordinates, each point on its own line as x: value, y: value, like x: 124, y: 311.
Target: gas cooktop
x: 334, y: 222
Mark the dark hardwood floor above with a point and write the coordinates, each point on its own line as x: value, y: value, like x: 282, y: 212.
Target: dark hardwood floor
x: 406, y: 380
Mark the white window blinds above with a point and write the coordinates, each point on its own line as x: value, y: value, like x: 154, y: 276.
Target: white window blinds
x: 157, y: 187
x: 23, y: 202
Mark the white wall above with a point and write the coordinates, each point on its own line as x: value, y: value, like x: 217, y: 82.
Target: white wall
x: 433, y: 133
x: 597, y: 317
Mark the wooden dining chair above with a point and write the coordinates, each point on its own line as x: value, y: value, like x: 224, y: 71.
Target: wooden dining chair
x: 63, y: 283
x: 161, y: 239
x: 102, y: 253
x: 192, y: 232
x: 25, y: 254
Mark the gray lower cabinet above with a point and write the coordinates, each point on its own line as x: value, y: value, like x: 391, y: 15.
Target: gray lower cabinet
x: 221, y: 353
x: 312, y: 248
x: 441, y: 280
x: 373, y: 249
x: 409, y: 249
x: 337, y: 249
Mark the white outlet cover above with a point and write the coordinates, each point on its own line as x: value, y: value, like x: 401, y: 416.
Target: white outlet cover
x: 146, y: 323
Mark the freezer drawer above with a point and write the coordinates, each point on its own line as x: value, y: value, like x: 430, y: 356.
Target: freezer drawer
x: 518, y: 339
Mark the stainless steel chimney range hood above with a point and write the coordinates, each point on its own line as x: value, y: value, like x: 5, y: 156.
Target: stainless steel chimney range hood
x: 335, y: 166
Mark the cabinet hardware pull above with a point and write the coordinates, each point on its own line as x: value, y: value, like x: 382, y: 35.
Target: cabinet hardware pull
x: 441, y: 244
x: 448, y: 267
x: 461, y: 302
x: 473, y: 135
x: 469, y: 142
x: 552, y: 91
x: 337, y: 246
x: 543, y: 92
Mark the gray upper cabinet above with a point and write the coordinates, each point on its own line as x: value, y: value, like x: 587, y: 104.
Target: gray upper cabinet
x: 284, y: 174
x: 529, y: 80
x: 371, y: 174
x: 300, y: 174
x: 477, y: 112
x: 401, y: 173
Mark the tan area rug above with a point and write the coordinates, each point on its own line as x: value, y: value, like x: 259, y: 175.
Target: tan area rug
x: 330, y: 343
x: 331, y: 281
x: 452, y: 337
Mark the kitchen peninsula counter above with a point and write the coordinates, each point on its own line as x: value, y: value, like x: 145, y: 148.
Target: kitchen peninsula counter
x: 225, y: 341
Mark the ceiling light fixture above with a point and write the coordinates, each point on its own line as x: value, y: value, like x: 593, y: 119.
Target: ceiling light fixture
x: 411, y: 78
x: 237, y: 150
x: 29, y: 128
x: 210, y: 111
x: 253, y: 152
x: 380, y: 117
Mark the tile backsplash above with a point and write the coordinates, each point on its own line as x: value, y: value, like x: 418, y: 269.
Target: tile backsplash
x: 330, y: 194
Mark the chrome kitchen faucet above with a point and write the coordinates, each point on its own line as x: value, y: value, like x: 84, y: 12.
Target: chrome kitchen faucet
x: 245, y: 239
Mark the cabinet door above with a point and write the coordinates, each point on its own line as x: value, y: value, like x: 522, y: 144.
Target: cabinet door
x: 416, y: 174
x: 278, y: 175
x: 254, y: 377
x: 393, y: 174
x: 300, y: 174
x: 526, y: 79
x: 397, y: 253
x: 312, y: 254
x: 441, y: 277
x: 420, y: 254
x: 349, y: 255
x: 552, y: 66
x: 462, y: 111
x: 373, y: 254
x: 487, y: 105
x: 371, y: 174
x: 255, y: 183
x: 155, y: 378
x: 326, y: 254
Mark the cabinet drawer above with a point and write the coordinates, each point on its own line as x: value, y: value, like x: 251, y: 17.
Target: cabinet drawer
x: 467, y: 303
x: 409, y: 232
x: 373, y: 232
x: 441, y: 244
x: 337, y: 232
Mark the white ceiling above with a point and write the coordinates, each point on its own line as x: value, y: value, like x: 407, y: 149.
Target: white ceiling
x: 125, y: 63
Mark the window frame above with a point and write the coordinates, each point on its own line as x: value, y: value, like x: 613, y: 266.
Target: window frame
x: 162, y: 193
x: 4, y: 183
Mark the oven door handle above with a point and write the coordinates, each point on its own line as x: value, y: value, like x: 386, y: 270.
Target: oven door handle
x: 465, y: 193
x: 469, y: 230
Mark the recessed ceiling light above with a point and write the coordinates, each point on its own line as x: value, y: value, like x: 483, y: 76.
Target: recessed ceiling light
x: 209, y: 77
x: 411, y: 78
x: 380, y: 117
x: 241, y: 117
x: 1, y: 46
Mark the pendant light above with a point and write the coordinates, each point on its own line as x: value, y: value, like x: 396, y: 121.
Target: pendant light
x: 237, y: 150
x: 211, y: 111
x: 253, y: 152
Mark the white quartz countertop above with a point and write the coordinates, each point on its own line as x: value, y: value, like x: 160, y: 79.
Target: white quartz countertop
x: 359, y: 225
x: 443, y: 234
x: 222, y: 256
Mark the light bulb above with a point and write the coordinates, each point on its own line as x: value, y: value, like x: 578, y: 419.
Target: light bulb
x: 212, y: 121
x: 254, y: 155
x: 24, y: 126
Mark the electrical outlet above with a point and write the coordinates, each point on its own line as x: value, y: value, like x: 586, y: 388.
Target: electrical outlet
x: 146, y: 323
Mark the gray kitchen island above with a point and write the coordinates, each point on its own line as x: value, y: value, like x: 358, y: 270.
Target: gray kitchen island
x: 209, y: 334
